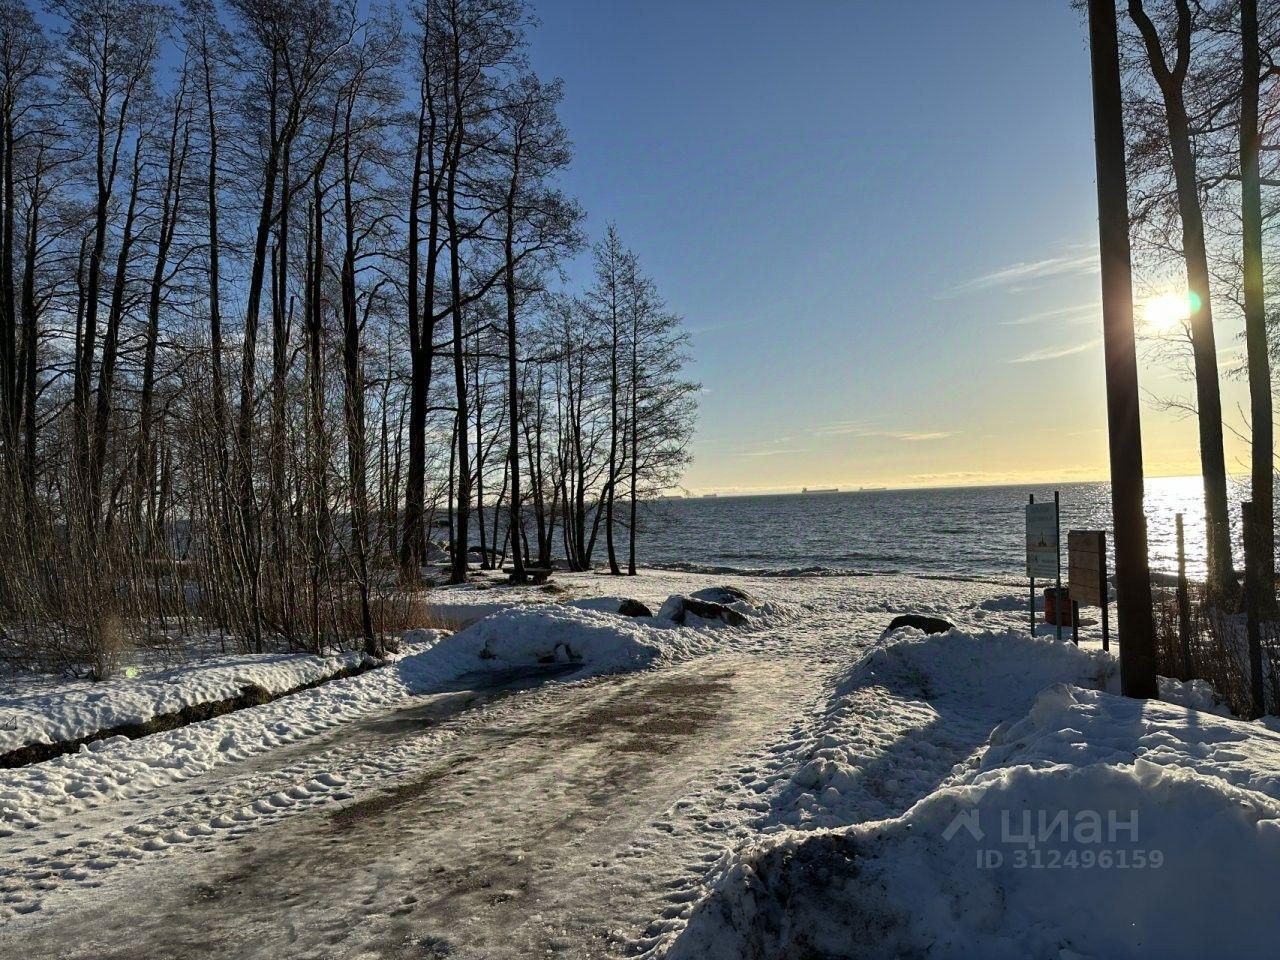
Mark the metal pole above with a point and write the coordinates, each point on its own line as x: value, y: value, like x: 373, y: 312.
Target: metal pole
x: 1106, y: 591
x: 1133, y: 578
x: 1057, y: 547
x: 1032, y: 605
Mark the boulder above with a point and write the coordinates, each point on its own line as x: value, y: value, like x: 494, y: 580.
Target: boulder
x: 634, y: 608
x: 927, y: 624
x: 677, y: 608
x: 623, y: 606
x: 725, y: 596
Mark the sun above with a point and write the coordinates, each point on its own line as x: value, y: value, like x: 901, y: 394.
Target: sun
x: 1167, y: 311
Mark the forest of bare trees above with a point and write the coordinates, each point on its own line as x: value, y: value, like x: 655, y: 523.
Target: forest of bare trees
x: 1202, y: 104
x: 283, y: 321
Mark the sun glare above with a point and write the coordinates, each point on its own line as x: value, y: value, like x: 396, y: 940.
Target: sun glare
x: 1167, y: 311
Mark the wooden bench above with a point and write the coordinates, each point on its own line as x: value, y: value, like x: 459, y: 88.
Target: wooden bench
x: 535, y: 575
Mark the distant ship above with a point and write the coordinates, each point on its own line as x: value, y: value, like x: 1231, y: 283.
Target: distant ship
x: 821, y: 490
x: 706, y: 495
x: 871, y: 489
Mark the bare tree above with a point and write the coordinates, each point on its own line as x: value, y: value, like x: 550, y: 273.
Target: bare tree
x: 1175, y: 29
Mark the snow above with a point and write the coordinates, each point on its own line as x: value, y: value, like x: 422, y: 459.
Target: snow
x: 527, y: 635
x: 69, y: 710
x: 1087, y: 825
x: 117, y: 768
x: 799, y: 786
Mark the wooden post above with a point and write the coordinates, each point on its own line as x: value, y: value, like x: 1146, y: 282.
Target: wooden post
x: 1184, y: 604
x: 1087, y: 567
x: 1133, y: 577
x: 1252, y: 563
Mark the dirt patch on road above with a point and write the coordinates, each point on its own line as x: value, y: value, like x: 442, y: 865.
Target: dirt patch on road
x: 654, y: 715
x: 354, y: 814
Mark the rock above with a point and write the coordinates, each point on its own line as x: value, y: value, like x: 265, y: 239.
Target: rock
x: 927, y: 624
x: 677, y: 608
x: 725, y: 596
x: 634, y: 608
x: 708, y: 610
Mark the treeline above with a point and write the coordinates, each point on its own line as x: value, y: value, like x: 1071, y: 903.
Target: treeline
x: 1202, y: 116
x: 282, y: 320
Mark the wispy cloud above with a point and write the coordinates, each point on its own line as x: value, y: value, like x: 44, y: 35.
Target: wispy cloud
x: 773, y: 452
x: 839, y: 428
x: 908, y: 437
x: 859, y: 428
x: 1055, y: 353
x: 1080, y: 313
x: 1028, y: 271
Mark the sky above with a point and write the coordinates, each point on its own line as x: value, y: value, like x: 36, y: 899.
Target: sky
x: 879, y: 222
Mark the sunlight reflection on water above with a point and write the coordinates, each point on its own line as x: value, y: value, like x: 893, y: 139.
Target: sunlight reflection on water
x: 977, y: 530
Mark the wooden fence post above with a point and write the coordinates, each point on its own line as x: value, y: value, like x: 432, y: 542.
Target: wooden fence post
x: 1251, y: 603
x: 1184, y: 604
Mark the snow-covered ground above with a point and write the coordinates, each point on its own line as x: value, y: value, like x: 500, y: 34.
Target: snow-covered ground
x: 558, y: 779
x: 37, y: 710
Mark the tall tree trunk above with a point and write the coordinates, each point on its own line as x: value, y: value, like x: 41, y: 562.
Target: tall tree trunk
x: 249, y: 533
x: 463, y: 519
x: 215, y: 268
x: 634, y: 419
x: 478, y: 400
x: 354, y: 406
x: 319, y: 533
x: 1133, y: 578
x: 168, y: 220
x: 1255, y: 313
x: 513, y: 380
x: 111, y: 342
x: 30, y: 340
x: 414, y: 539
x: 1204, y: 349
x: 10, y: 400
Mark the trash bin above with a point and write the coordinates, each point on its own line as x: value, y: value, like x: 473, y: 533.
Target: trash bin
x: 1059, y: 608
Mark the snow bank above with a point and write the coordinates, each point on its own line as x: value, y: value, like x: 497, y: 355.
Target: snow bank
x: 1154, y: 862
x: 57, y: 712
x: 118, y: 767
x: 1094, y: 826
x: 1002, y: 669
x: 902, y: 716
x: 529, y: 635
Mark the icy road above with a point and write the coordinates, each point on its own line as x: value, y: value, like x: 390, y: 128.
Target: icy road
x: 531, y: 815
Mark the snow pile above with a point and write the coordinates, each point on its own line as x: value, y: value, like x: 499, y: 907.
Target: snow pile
x: 1094, y: 826
x: 529, y: 635
x: 901, y: 717
x: 1000, y: 669
x: 56, y: 712
x: 118, y: 767
x: 1068, y: 861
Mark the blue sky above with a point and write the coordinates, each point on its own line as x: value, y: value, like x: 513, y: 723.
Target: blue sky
x: 878, y: 219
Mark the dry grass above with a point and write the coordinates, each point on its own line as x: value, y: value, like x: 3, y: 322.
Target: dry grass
x: 1215, y: 648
